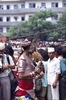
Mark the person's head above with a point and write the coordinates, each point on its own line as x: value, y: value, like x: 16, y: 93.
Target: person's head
x: 37, y: 56
x: 51, y: 52
x: 44, y: 54
x: 59, y: 50
x: 2, y: 47
x: 26, y: 45
x: 64, y: 52
x: 8, y: 50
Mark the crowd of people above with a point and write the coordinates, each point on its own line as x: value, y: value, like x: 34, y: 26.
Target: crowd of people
x: 45, y: 63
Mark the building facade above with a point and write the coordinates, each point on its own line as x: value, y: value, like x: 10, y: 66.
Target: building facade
x: 14, y: 11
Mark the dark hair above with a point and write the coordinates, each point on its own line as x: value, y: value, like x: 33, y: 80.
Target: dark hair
x: 64, y: 52
x: 59, y: 50
x: 26, y: 47
x: 44, y: 54
x: 8, y: 50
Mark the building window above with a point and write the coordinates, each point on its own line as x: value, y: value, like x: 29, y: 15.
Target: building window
x: 8, y: 19
x: 54, y: 4
x: 30, y: 16
x: 15, y: 6
x: 1, y: 7
x: 23, y: 5
x: 43, y: 5
x: 32, y: 5
x: 15, y: 18
x: 8, y: 7
x: 1, y: 29
x: 7, y: 29
x: 22, y: 18
x: 64, y: 5
x: 1, y: 19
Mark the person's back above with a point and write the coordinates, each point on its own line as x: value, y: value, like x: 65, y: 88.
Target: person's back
x: 63, y: 74
x: 63, y: 67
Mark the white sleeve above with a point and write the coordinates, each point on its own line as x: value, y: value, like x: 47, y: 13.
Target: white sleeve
x: 57, y: 67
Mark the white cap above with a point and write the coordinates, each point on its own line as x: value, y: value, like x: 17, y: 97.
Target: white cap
x: 2, y: 46
x: 51, y: 49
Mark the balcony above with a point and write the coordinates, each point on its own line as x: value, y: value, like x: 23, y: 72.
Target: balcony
x: 28, y: 10
x: 8, y: 23
x: 58, y: 9
x: 55, y: 9
x: 19, y: 11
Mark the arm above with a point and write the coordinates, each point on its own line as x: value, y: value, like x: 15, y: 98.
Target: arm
x: 25, y: 76
x: 21, y: 70
x: 9, y: 63
x: 55, y: 82
x: 57, y: 74
x: 40, y: 75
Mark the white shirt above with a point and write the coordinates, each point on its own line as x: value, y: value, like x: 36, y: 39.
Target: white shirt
x: 53, y: 68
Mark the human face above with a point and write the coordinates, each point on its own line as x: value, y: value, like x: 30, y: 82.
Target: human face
x: 51, y: 55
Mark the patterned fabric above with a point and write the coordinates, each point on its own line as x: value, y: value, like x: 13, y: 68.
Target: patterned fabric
x: 26, y: 97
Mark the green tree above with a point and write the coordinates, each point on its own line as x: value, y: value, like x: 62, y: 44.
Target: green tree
x: 35, y: 23
x: 53, y: 36
x: 18, y: 30
x: 62, y: 24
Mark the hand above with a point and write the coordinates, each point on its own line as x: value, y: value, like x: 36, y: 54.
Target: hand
x: 5, y: 66
x: 32, y: 74
x: 37, y: 70
x: 54, y: 85
x: 41, y: 73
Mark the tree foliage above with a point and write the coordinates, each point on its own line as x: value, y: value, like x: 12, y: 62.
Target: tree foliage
x: 35, y: 23
x: 62, y: 24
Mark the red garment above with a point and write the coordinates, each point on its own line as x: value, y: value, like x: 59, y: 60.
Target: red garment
x: 26, y: 85
x: 21, y: 93
x: 65, y: 99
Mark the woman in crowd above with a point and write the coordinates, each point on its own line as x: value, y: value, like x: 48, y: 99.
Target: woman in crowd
x: 41, y: 58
